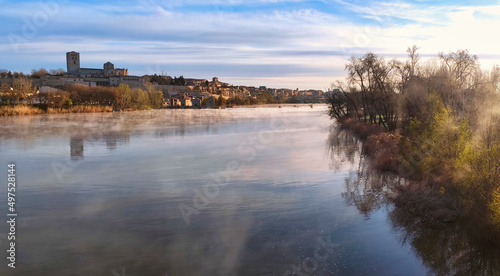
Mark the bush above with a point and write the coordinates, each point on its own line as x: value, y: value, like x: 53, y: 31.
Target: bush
x: 383, y: 150
x: 220, y: 101
x: 67, y: 103
x: 445, y: 129
x: 362, y: 130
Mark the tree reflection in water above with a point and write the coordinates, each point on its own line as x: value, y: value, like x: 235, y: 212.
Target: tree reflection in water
x: 366, y: 189
x: 448, y: 248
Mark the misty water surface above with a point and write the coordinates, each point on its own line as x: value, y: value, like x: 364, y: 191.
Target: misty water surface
x: 101, y: 194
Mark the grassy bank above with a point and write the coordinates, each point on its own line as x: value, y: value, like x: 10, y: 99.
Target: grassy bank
x: 32, y: 110
x: 19, y: 110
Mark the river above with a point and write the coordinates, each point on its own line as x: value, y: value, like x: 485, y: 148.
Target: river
x: 241, y: 191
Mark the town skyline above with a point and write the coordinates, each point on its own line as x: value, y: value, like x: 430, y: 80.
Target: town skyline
x: 75, y: 72
x: 175, y: 91
x: 289, y: 44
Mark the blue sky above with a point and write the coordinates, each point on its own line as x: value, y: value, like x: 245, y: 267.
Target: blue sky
x: 277, y: 43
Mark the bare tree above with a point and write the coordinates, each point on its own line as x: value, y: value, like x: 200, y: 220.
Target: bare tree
x: 22, y: 89
x: 463, y: 69
x: 409, y: 69
x: 57, y: 72
x: 342, y: 104
x: 39, y: 73
x: 375, y: 81
x: 3, y: 73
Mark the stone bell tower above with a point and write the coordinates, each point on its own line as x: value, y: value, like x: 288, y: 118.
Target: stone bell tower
x: 73, y: 62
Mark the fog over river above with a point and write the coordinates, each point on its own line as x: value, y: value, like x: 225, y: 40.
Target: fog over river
x: 241, y: 191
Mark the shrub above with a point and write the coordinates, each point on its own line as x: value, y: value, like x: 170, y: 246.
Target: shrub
x: 384, y: 151
x: 67, y: 103
x: 362, y: 130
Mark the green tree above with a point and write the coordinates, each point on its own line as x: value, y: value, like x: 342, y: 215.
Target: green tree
x: 140, y: 98
x: 220, y: 101
x: 155, y: 96
x: 181, y: 80
x: 265, y: 97
x: 126, y: 95
x: 67, y: 103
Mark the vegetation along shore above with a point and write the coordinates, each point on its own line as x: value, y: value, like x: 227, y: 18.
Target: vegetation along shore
x: 436, y: 125
x: 22, y: 97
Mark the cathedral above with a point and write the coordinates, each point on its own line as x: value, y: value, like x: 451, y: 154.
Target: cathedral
x: 109, y: 70
x: 107, y: 76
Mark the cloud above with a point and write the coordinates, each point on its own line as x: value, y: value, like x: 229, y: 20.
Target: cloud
x: 273, y: 39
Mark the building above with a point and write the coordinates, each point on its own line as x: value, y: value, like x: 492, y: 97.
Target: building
x: 132, y: 81
x: 211, y: 102
x: 73, y: 68
x: 186, y: 102
x: 196, y: 82
x: 109, y: 70
x: 73, y: 62
x: 176, y: 102
x: 196, y: 102
x: 166, y: 103
x: 48, y: 89
x: 107, y: 76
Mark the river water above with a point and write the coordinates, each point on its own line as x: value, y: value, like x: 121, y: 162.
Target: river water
x: 243, y: 191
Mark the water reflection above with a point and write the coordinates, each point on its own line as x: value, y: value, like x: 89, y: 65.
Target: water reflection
x: 343, y: 147
x: 364, y: 188
x: 76, y: 148
x: 78, y: 143
x: 119, y: 209
x: 168, y: 123
x: 455, y: 249
x: 449, y: 248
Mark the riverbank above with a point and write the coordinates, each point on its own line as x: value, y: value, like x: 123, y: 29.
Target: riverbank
x: 379, y: 145
x: 441, y: 133
x: 19, y: 110
x: 280, y: 105
x: 435, y: 200
x: 32, y: 110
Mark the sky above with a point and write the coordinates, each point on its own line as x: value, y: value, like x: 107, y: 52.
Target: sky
x: 275, y: 43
